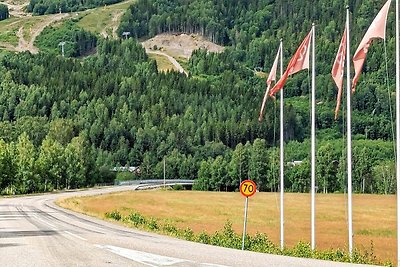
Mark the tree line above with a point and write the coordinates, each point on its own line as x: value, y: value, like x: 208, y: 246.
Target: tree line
x: 4, y: 13
x: 41, y: 7
x: 77, y: 42
x: 117, y: 110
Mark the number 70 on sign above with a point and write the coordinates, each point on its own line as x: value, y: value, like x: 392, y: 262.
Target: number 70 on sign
x: 248, y: 188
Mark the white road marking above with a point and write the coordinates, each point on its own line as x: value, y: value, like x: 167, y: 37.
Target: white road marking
x: 76, y: 236
x: 43, y: 221
x: 143, y: 257
x: 150, y: 259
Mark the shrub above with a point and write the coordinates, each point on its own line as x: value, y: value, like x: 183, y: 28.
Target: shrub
x: 170, y: 229
x: 137, y: 219
x: 203, y: 237
x: 188, y: 234
x: 114, y: 215
x: 125, y: 176
x: 152, y: 224
x: 259, y: 242
x: 178, y: 187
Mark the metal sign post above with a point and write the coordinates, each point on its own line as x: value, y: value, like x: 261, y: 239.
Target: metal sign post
x: 247, y: 188
x: 245, y: 221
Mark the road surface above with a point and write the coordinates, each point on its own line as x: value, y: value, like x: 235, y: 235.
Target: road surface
x: 36, y: 232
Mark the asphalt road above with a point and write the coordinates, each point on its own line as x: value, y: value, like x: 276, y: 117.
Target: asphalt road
x: 36, y: 232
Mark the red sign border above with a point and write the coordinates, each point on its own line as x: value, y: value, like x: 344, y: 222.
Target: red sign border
x: 253, y: 183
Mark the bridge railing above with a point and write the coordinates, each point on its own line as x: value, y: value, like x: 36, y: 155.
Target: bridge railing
x: 155, y: 182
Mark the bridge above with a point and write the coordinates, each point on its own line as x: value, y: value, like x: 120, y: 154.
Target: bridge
x: 156, y: 183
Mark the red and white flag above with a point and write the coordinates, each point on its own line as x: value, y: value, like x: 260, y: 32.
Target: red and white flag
x: 271, y: 78
x: 338, y: 70
x: 376, y: 30
x: 299, y: 61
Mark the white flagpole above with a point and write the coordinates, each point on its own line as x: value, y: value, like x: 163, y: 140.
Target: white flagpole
x: 398, y: 128
x: 349, y: 165
x: 313, y: 142
x: 282, y: 186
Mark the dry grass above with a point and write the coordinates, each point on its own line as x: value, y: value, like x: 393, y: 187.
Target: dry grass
x: 374, y: 217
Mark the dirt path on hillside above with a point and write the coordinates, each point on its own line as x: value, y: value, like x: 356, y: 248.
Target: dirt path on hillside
x: 116, y: 18
x: 180, y: 46
x: 28, y: 45
x: 171, y: 59
x: 115, y: 21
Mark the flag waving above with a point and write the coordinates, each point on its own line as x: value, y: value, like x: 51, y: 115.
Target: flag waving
x: 376, y: 30
x: 271, y: 77
x: 338, y: 70
x: 299, y: 61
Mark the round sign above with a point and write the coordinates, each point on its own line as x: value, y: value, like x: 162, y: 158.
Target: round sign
x: 248, y: 188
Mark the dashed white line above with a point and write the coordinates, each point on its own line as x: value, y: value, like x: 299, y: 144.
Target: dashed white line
x: 150, y: 259
x: 76, y: 236
x: 143, y: 257
x: 43, y: 221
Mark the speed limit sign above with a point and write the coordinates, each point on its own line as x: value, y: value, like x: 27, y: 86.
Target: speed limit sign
x: 248, y: 188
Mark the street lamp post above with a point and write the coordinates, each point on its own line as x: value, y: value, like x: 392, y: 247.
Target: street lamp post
x: 62, y: 44
x: 126, y: 34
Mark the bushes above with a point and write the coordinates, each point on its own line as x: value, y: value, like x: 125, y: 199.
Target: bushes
x: 125, y: 176
x: 259, y: 242
x: 78, y: 42
x: 137, y: 219
x: 114, y: 215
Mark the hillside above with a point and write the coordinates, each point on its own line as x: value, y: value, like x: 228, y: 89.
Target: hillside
x: 103, y: 21
x: 116, y: 108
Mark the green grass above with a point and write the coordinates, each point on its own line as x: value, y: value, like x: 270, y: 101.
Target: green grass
x: 183, y: 62
x: 377, y: 232
x: 163, y: 64
x: 9, y: 29
x: 96, y: 20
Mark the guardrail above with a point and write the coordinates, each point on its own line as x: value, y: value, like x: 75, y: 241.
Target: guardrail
x: 155, y: 182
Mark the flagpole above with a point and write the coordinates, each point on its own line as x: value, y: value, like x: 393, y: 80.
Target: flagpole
x: 398, y: 128
x: 282, y: 186
x: 313, y: 142
x: 349, y: 155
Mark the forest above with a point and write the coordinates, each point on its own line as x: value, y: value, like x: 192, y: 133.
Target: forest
x: 4, y: 13
x: 85, y: 115
x: 77, y: 42
x: 41, y: 7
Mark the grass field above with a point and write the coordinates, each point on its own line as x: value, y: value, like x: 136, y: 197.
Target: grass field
x: 374, y: 216
x: 102, y: 19
x: 9, y: 29
x: 163, y: 64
